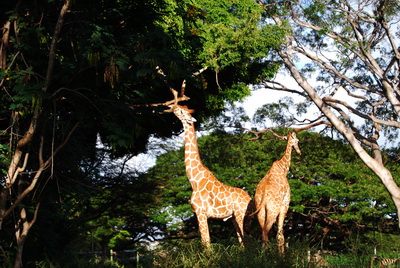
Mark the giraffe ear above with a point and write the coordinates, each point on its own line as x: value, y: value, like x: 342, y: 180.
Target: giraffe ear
x: 191, y: 111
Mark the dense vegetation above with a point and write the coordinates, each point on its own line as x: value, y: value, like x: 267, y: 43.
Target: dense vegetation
x: 74, y: 74
x: 333, y: 194
x: 82, y: 90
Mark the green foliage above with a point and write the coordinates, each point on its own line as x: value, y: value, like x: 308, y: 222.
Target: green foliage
x: 350, y: 39
x: 342, y: 179
x: 103, y: 78
x: 107, y: 55
x: 4, y: 157
x: 315, y: 10
x: 333, y: 193
x: 228, y: 38
x: 279, y: 113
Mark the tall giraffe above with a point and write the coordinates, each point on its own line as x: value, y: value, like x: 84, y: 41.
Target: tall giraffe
x: 210, y: 198
x: 273, y: 194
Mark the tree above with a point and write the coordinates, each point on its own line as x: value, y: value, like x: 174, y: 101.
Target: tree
x: 114, y: 207
x: 344, y: 56
x: 75, y: 72
x: 333, y: 194
x: 21, y: 139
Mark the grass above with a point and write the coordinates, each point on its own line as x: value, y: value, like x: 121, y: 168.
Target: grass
x: 193, y: 254
x: 229, y: 254
x: 221, y: 254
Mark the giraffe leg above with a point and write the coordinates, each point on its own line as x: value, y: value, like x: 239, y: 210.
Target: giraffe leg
x: 279, y: 236
x: 269, y: 221
x: 203, y: 228
x: 261, y: 216
x: 238, y: 224
x: 281, y: 219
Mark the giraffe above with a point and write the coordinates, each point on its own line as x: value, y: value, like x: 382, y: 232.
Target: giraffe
x: 210, y: 198
x: 273, y: 194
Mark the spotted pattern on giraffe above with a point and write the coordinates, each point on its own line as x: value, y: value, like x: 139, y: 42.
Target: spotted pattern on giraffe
x: 210, y: 198
x: 272, y: 196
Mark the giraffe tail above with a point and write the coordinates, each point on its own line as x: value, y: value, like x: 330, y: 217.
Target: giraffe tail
x: 259, y: 207
x: 255, y: 212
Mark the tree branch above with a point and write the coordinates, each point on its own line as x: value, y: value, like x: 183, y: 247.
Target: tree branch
x: 362, y: 115
x: 259, y: 137
x: 258, y: 134
x: 39, y: 172
x: 274, y: 85
x: 53, y: 45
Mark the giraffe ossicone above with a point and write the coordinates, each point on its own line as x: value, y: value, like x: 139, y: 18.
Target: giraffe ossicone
x: 210, y: 198
x: 272, y: 196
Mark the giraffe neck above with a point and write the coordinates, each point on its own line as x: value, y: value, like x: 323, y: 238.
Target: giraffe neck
x: 194, y: 166
x: 284, y: 162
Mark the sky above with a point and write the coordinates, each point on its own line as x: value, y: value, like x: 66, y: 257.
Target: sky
x: 258, y: 98
x: 261, y: 96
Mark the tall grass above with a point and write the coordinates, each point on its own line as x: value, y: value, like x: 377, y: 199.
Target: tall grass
x: 357, y: 252
x: 221, y: 254
x: 186, y: 254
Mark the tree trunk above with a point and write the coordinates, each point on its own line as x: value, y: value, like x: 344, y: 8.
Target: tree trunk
x: 20, y: 155
x: 4, y: 45
x: 376, y: 166
x: 21, y: 232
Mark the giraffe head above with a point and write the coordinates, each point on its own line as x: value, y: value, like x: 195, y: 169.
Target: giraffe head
x: 183, y: 113
x: 294, y: 141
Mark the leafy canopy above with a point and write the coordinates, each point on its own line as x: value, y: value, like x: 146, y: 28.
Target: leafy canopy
x: 331, y: 188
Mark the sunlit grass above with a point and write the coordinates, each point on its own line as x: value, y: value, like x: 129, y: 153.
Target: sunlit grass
x: 193, y: 254
x: 230, y: 254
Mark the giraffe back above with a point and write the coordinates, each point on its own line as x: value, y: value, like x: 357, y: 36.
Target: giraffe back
x: 274, y: 189
x: 218, y: 199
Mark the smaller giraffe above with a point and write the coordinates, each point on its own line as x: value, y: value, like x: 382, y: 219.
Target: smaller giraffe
x: 273, y: 194
x: 210, y: 198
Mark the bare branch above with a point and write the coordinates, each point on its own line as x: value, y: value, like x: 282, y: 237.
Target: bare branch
x: 364, y: 116
x: 274, y: 85
x: 40, y: 153
x: 176, y: 99
x: 199, y: 71
x: 24, y: 193
x: 60, y: 146
x: 258, y: 134
x: 379, y: 72
x: 352, y: 94
x: 35, y: 214
x: 55, y: 39
x: 323, y: 122
x: 167, y: 103
x: 183, y: 88
x: 5, y: 30
x: 35, y: 179
x: 385, y: 26
x: 20, y: 169
x: 324, y: 65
